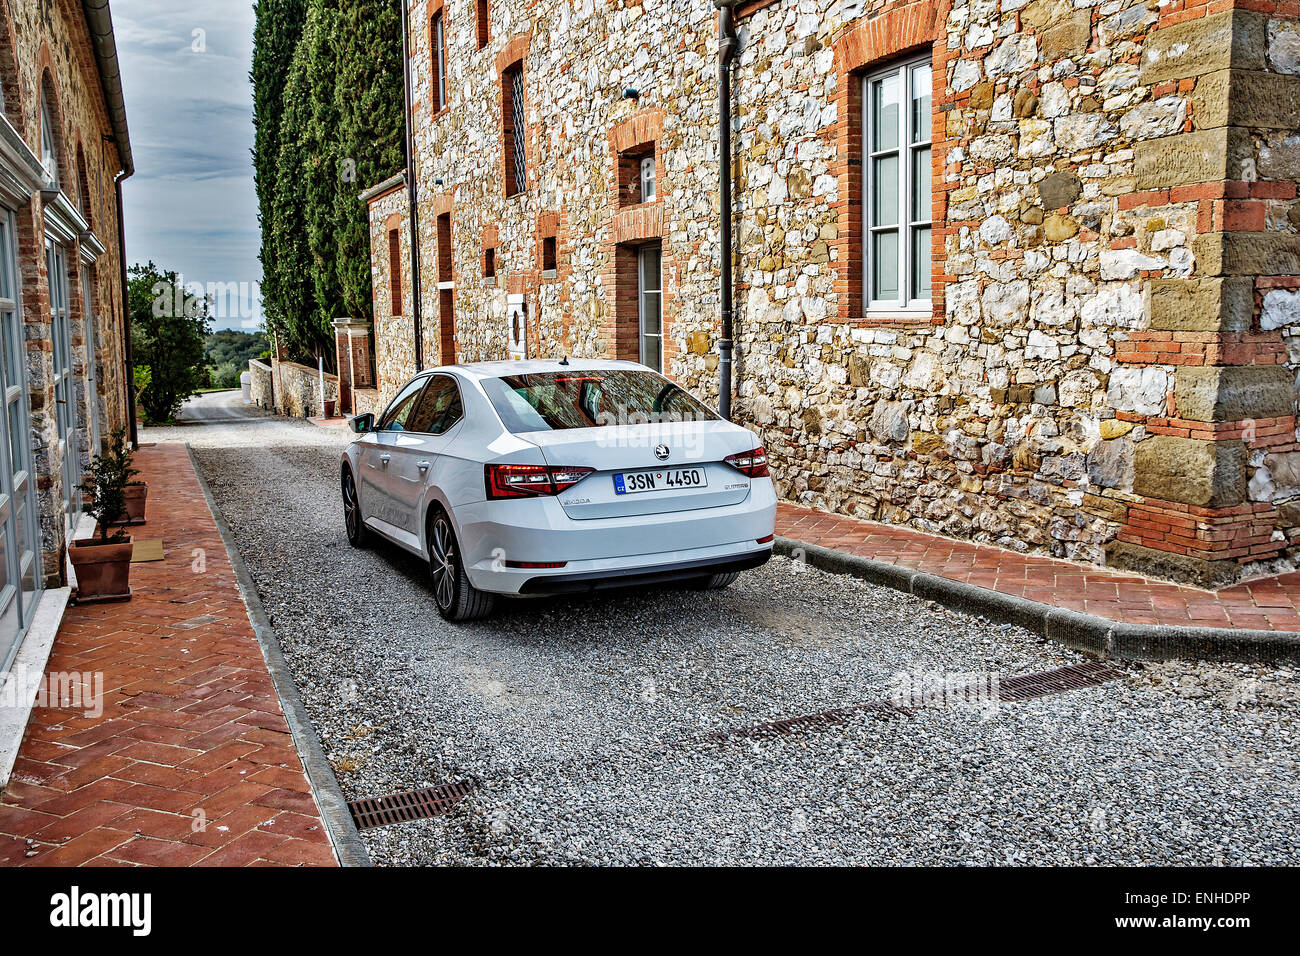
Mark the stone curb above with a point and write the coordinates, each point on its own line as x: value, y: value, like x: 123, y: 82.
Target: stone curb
x: 329, y: 797
x: 1085, y: 632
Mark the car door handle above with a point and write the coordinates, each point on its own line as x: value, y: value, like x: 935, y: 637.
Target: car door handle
x: 422, y: 465
x: 385, y: 459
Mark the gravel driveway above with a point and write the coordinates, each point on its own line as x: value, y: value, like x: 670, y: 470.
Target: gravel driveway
x: 578, y: 720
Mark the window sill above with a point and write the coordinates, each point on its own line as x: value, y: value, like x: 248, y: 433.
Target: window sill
x: 439, y: 114
x: 892, y: 320
x: 641, y: 205
x: 490, y: 281
x: 548, y: 273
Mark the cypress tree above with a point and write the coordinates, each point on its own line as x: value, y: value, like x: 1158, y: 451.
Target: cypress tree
x: 328, y: 105
x: 278, y: 27
x: 370, y: 107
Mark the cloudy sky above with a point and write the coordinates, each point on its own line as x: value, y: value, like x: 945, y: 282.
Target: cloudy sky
x: 191, y: 206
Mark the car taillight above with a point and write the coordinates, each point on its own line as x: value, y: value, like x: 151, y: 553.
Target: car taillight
x: 529, y: 481
x: 752, y: 463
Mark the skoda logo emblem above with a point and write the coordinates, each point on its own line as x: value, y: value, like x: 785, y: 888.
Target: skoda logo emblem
x: 661, y: 452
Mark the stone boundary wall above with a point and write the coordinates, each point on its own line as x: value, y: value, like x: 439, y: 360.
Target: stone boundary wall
x: 1106, y: 370
x: 297, y: 389
x: 263, y: 389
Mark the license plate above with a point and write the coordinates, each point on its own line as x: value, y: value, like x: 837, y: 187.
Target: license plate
x: 669, y: 479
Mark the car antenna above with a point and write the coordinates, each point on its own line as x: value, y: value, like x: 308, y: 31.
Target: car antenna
x: 565, y: 360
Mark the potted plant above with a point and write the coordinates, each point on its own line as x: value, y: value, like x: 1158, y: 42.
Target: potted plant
x: 103, y: 562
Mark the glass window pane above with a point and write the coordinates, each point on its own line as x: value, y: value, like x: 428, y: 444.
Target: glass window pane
x: 650, y: 269
x: 921, y: 198
x: 884, y: 112
x: 921, y: 89
x: 17, y: 436
x: 6, y: 259
x: 884, y: 265
x: 921, y: 262
x: 884, y: 191
x: 397, y: 412
x: 651, y: 352
x: 650, y: 313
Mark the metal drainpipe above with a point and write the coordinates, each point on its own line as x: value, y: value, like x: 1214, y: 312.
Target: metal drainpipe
x: 413, y: 213
x: 727, y: 43
x: 129, y: 353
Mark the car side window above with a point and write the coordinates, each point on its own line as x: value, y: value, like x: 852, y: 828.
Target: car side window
x: 395, y: 419
x: 439, y: 407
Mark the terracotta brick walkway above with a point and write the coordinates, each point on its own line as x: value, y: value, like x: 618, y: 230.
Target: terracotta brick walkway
x: 1265, y: 604
x: 191, y: 761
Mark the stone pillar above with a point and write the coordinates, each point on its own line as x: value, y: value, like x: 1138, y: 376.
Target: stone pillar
x: 1208, y: 503
x: 352, y: 350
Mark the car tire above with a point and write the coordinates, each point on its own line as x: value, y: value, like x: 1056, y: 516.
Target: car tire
x: 716, y: 582
x: 455, y: 598
x: 358, y: 536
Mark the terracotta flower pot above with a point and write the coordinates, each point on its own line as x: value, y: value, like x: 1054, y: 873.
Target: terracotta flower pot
x: 135, y: 499
x: 329, y: 407
x: 103, y: 570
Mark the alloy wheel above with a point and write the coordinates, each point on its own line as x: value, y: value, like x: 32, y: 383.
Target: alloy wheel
x: 442, y: 562
x: 351, y: 511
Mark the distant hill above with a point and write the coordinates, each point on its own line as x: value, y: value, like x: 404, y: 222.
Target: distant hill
x: 226, y: 354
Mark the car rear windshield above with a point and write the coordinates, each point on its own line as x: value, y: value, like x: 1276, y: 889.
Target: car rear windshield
x: 547, y: 401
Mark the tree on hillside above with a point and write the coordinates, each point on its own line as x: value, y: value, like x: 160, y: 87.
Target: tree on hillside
x: 233, y: 345
x: 167, y: 334
x: 278, y: 27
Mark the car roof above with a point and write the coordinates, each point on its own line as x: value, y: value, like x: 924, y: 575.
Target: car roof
x: 484, y: 370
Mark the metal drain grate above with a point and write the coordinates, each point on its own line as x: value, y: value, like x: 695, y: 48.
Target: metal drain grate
x: 1010, y: 690
x: 1074, y: 677
x: 412, y: 805
x: 808, y: 723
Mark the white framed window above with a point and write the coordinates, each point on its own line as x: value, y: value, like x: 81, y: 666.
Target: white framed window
x: 648, y: 178
x: 49, y: 150
x: 649, y: 289
x: 20, y: 580
x: 896, y: 187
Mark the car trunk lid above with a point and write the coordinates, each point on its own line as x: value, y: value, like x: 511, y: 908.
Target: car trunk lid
x: 678, y: 467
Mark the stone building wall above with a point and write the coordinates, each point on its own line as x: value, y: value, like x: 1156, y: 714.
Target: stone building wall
x: 1107, y: 370
x: 394, y: 334
x: 46, y: 47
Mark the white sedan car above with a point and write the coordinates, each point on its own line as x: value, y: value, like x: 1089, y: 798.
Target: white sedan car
x: 545, y: 477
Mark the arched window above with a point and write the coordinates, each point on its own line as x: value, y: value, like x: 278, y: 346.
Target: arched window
x: 49, y: 145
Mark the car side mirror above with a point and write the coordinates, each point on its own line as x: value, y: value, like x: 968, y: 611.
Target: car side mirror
x: 362, y: 423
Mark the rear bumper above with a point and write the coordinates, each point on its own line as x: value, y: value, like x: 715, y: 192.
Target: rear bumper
x: 633, y: 577
x: 493, y: 535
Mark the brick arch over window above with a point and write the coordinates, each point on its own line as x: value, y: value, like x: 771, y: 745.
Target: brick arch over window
x: 9, y: 84
x: 866, y: 43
